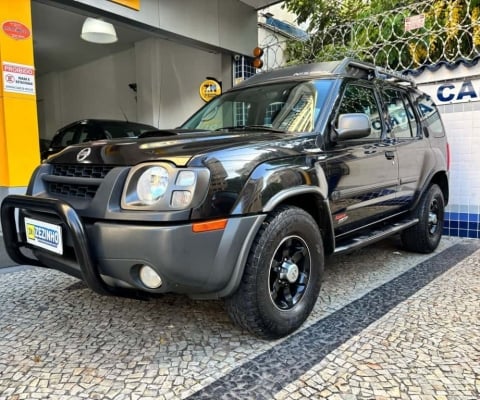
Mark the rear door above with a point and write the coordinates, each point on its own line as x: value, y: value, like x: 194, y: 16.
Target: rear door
x: 409, y: 142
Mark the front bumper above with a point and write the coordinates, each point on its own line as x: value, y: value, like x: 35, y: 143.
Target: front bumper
x: 107, y: 254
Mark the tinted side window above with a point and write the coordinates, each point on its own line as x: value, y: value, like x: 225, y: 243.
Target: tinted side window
x: 361, y: 99
x: 122, y: 130
x: 89, y: 133
x: 429, y: 115
x: 400, y: 114
x: 64, y: 138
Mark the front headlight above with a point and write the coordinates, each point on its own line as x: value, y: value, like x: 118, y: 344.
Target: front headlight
x: 152, y: 184
x: 163, y: 187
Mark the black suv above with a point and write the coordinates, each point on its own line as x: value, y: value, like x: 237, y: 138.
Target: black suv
x: 246, y: 199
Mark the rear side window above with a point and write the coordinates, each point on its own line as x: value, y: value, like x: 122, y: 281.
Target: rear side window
x: 429, y: 116
x: 401, y: 117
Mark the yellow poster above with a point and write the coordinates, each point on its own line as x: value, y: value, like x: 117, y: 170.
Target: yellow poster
x: 135, y: 4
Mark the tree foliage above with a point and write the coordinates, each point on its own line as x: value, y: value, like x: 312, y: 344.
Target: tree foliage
x: 374, y: 30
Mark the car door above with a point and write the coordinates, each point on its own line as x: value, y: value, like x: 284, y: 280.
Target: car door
x: 362, y: 173
x: 410, y: 145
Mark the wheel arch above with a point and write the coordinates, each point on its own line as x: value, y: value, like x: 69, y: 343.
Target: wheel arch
x: 441, y: 179
x: 311, y: 200
x: 307, y: 198
x: 291, y: 184
x: 298, y: 181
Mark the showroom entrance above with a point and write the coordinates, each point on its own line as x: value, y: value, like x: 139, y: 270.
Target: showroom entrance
x: 150, y: 74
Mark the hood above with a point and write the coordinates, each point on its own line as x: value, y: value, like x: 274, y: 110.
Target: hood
x: 182, y: 149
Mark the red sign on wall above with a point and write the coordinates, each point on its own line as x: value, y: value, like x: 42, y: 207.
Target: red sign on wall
x: 18, y: 78
x: 16, y: 30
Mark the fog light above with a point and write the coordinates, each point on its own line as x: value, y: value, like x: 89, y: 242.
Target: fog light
x: 149, y: 277
x: 181, y: 198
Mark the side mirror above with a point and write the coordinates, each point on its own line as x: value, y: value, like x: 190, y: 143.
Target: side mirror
x: 353, y: 126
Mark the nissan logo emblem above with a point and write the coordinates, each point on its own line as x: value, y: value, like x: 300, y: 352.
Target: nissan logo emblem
x: 83, y: 154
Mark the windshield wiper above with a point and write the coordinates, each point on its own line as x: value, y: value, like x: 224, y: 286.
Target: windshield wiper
x: 253, y: 127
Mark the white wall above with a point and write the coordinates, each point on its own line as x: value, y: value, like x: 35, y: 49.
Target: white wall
x: 100, y: 89
x: 168, y: 77
x: 227, y: 24
x: 273, y: 41
x: 95, y: 90
x: 274, y: 46
x: 457, y: 93
x: 49, y: 114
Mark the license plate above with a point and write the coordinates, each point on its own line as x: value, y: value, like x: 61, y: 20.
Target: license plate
x: 45, y: 235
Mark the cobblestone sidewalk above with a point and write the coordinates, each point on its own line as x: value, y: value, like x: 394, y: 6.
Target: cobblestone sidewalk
x: 388, y: 325
x: 427, y: 348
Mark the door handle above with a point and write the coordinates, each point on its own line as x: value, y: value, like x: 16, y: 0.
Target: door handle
x: 390, y: 155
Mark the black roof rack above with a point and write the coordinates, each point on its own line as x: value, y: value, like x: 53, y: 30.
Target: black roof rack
x: 348, y: 67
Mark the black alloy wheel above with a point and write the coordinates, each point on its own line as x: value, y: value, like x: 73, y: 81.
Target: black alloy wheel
x: 289, y: 272
x: 282, y: 276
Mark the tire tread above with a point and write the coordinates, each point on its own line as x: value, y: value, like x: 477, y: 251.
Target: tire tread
x: 416, y: 238
x: 243, y: 305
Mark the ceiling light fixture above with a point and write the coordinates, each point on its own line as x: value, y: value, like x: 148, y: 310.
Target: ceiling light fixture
x: 98, y: 31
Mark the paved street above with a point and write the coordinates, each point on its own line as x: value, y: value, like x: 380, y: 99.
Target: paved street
x: 388, y: 325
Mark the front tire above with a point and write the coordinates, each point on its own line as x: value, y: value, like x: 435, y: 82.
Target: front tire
x: 425, y: 236
x: 282, y: 277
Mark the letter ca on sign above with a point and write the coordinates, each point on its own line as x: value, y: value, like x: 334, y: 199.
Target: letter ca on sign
x: 458, y: 92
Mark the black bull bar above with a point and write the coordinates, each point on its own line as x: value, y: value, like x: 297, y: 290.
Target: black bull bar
x: 70, y: 220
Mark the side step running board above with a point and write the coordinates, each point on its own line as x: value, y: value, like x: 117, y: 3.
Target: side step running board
x: 374, y: 236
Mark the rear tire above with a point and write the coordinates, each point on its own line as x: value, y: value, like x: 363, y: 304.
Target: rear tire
x: 425, y: 236
x: 282, y: 277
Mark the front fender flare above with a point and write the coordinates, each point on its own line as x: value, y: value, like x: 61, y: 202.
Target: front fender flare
x: 296, y: 181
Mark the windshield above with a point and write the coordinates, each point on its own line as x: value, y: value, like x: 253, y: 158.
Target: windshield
x: 287, y: 107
